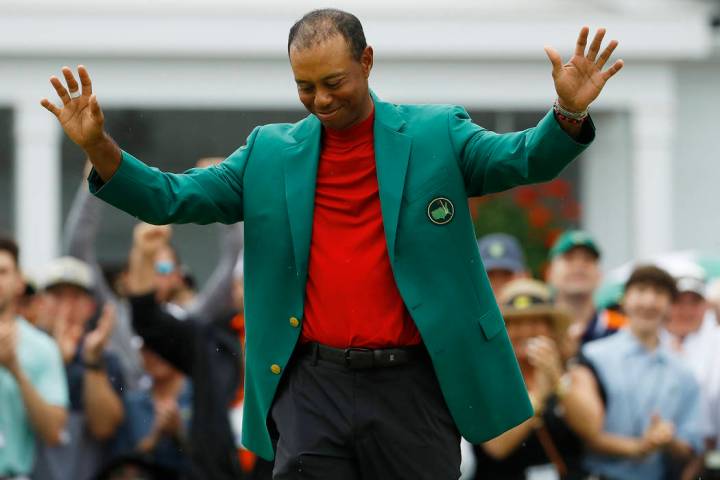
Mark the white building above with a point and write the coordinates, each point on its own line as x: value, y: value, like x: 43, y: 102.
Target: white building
x: 647, y: 184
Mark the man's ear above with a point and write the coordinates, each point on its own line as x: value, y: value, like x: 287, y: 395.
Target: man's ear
x: 366, y: 60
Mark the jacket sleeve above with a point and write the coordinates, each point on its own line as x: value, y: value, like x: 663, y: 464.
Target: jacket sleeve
x: 200, y: 195
x: 172, y: 339
x: 492, y: 162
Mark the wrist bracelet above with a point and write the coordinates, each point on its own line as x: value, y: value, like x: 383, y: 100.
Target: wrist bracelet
x: 98, y: 365
x: 567, y: 115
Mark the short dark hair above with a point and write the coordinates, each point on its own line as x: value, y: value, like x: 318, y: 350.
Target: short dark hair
x: 654, y: 276
x: 8, y: 245
x: 319, y: 25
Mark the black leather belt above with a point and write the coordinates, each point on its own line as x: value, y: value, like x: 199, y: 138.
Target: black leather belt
x: 362, y: 358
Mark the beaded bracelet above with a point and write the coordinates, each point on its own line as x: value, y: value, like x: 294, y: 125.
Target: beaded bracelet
x: 568, y: 116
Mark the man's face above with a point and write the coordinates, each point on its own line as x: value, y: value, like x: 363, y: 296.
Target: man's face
x: 331, y: 83
x: 686, y: 314
x: 575, y: 272
x: 73, y: 301
x: 168, y: 278
x: 646, y: 306
x: 10, y: 281
x: 498, y: 279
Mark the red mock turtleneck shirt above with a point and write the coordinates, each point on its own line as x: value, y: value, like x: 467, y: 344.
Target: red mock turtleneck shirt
x: 351, y: 296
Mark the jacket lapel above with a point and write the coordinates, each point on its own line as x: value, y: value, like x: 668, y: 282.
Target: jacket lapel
x: 392, y: 152
x: 301, y: 163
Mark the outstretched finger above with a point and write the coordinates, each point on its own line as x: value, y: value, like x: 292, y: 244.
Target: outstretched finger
x: 555, y: 59
x: 605, y: 55
x: 582, y: 41
x: 607, y: 74
x: 60, y: 89
x: 50, y: 107
x: 85, y: 80
x: 70, y: 81
x: 595, y: 45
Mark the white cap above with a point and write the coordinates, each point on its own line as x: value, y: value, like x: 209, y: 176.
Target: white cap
x: 68, y: 271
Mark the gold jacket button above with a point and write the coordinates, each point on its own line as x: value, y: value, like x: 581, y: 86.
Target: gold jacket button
x: 294, y: 322
x: 275, y: 368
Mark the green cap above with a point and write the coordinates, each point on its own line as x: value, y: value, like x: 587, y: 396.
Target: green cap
x: 573, y: 239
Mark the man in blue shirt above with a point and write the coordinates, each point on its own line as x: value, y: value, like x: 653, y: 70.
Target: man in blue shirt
x: 33, y: 389
x: 647, y: 402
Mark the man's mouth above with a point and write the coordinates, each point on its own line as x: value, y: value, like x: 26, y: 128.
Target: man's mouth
x: 327, y: 115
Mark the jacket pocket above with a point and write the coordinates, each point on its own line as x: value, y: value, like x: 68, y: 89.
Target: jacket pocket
x: 491, y: 323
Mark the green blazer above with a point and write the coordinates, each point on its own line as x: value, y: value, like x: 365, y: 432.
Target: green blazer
x: 430, y: 159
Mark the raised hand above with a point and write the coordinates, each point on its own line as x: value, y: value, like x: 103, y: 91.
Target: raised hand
x: 83, y: 121
x: 8, y: 346
x: 80, y: 114
x: 579, y: 81
x: 150, y: 238
x: 95, y: 341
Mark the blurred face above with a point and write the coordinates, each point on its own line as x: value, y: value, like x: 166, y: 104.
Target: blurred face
x: 646, y: 306
x: 11, y: 284
x: 76, y: 303
x: 168, y: 278
x: 575, y: 272
x: 521, y: 329
x: 331, y: 84
x: 686, y: 314
x: 156, y: 366
x: 498, y: 280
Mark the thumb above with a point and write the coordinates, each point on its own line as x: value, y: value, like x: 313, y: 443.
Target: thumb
x: 555, y: 59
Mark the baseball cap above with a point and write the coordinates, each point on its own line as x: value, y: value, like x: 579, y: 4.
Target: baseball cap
x: 68, y: 271
x: 500, y: 251
x: 573, y: 239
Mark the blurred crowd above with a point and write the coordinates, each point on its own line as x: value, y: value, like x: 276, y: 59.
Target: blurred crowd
x: 138, y: 373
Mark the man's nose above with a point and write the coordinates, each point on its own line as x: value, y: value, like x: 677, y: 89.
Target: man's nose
x: 322, y: 100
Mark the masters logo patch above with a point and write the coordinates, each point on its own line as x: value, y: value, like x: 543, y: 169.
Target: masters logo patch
x: 440, y: 211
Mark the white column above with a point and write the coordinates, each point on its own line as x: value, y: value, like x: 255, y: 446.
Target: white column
x: 653, y: 133
x: 37, y: 184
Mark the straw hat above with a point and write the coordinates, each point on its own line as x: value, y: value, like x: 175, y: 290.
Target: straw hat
x: 525, y: 297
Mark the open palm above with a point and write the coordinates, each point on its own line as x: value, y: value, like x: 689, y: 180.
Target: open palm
x: 579, y: 81
x: 80, y: 115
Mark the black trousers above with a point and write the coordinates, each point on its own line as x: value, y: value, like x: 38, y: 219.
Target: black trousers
x: 331, y: 422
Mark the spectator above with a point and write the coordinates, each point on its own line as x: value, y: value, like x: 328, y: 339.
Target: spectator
x: 645, y: 401
x: 208, y: 353
x: 690, y: 331
x: 551, y: 440
x: 33, y: 389
x: 80, y: 237
x: 157, y: 418
x: 503, y: 259
x: 574, y: 274
x: 95, y: 378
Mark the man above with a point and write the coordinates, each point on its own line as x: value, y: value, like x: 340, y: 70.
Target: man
x: 646, y: 402
x: 208, y: 352
x: 360, y: 251
x: 574, y: 274
x: 503, y: 259
x: 94, y: 375
x: 33, y: 390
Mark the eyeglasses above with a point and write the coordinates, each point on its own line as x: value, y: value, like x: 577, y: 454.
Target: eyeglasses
x: 164, y: 268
